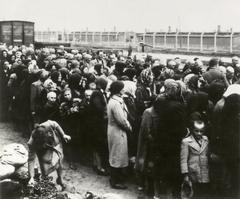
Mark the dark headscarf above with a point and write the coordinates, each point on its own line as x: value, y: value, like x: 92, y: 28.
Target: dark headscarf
x: 74, y: 80
x: 119, y: 67
x: 54, y: 76
x: 101, y: 83
x: 97, y: 68
x: 90, y: 80
x: 64, y: 73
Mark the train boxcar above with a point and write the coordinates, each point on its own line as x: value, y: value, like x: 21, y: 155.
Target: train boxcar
x: 17, y: 32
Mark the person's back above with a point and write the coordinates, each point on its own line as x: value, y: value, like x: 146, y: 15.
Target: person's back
x: 214, y: 74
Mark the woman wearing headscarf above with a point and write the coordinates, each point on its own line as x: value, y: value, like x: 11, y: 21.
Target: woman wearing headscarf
x: 46, y: 143
x: 118, y: 126
x: 74, y: 85
x: 165, y: 148
x: 98, y: 111
x: 48, y: 86
x: 55, y: 76
x: 133, y: 116
x: 143, y: 91
x: 69, y: 116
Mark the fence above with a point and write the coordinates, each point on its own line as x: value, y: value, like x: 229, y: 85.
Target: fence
x: 182, y: 41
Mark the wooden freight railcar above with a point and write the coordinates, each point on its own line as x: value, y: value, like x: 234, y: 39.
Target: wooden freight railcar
x: 17, y: 32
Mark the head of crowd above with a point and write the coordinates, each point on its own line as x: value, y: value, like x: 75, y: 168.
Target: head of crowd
x: 112, y: 65
x: 189, y: 97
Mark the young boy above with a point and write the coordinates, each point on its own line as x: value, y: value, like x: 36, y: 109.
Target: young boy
x: 194, y: 159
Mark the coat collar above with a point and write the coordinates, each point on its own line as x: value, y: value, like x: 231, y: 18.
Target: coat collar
x: 119, y: 99
x: 194, y: 144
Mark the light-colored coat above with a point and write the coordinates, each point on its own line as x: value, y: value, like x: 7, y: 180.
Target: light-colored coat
x: 117, y: 137
x: 194, y: 159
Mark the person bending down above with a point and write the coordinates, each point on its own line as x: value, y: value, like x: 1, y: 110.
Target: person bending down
x: 45, y: 143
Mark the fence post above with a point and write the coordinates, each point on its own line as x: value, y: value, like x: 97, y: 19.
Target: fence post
x: 125, y: 38
x: 116, y: 39
x: 231, y: 42
x: 188, y: 41
x: 108, y: 39
x: 144, y: 39
x: 101, y: 38
x: 67, y: 37
x: 176, y: 40
x: 86, y: 37
x: 215, y: 42
x: 165, y: 40
x: 74, y: 40
x: 93, y: 37
x: 50, y: 36
x: 63, y: 36
x: 201, y: 42
x: 154, y: 40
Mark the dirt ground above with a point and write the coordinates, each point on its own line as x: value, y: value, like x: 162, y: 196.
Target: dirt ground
x: 83, y: 179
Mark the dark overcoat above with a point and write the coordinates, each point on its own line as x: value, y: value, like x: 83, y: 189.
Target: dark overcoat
x: 146, y: 134
x: 167, y: 141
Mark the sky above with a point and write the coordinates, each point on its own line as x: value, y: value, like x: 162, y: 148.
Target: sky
x: 125, y: 15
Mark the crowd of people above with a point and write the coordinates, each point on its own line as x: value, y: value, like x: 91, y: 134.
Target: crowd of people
x: 175, y: 123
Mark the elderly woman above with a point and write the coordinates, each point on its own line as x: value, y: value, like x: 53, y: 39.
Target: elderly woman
x: 118, y: 126
x: 46, y: 143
